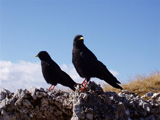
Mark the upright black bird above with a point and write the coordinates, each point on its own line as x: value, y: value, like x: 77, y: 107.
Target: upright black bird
x: 52, y: 73
x: 88, y: 66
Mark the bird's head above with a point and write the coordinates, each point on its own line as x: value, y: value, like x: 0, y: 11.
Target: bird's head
x: 78, y: 40
x: 43, y: 55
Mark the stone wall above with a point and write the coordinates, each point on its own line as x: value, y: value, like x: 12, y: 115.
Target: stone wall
x: 92, y: 104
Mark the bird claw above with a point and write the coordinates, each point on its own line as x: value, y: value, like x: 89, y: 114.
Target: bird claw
x: 82, y: 89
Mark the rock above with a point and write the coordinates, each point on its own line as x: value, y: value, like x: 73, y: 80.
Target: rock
x: 121, y: 109
x: 155, y: 96
x: 2, y: 95
x: 150, y: 117
x: 5, y: 93
x: 32, y: 91
x: 149, y: 94
x: 27, y: 103
x: 89, y: 116
x: 92, y: 104
x: 127, y: 92
x: 145, y: 105
x: 95, y: 104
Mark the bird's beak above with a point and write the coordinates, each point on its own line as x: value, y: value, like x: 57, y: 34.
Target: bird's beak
x: 36, y: 56
x: 81, y: 38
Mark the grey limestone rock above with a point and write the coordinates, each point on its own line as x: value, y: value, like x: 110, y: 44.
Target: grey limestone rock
x: 149, y: 94
x: 92, y: 104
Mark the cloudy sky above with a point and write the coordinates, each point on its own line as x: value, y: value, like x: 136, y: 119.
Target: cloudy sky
x: 124, y: 35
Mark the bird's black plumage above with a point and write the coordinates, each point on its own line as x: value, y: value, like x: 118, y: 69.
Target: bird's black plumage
x: 52, y: 73
x: 87, y: 65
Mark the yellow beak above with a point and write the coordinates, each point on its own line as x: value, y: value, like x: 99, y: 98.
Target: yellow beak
x: 36, y: 56
x: 81, y: 38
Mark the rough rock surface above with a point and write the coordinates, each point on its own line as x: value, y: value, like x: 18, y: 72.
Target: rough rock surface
x: 92, y: 104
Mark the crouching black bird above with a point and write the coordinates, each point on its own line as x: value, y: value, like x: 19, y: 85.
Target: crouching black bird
x: 52, y: 73
x: 88, y: 66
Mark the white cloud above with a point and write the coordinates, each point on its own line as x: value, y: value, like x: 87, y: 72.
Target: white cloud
x: 26, y: 74
x: 20, y: 75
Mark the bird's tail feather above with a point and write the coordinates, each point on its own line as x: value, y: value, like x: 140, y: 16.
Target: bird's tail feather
x: 113, y: 83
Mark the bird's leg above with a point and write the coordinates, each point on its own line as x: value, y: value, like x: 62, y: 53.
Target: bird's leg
x: 51, y: 87
x: 82, y: 89
x: 82, y: 82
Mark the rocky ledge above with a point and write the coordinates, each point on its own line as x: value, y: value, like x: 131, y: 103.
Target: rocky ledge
x: 92, y: 104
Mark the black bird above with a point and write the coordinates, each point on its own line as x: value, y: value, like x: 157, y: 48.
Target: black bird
x: 87, y: 65
x: 52, y: 73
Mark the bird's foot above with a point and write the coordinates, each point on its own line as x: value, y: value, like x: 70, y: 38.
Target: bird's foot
x: 82, y: 89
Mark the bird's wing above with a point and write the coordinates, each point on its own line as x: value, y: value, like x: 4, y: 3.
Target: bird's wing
x: 56, y: 70
x: 64, y: 78
x: 93, y: 62
x: 87, y: 55
x: 91, y: 59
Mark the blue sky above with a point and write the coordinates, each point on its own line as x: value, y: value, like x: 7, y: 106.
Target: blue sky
x: 123, y: 34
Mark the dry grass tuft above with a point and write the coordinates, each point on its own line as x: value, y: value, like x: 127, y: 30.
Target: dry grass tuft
x: 141, y: 84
